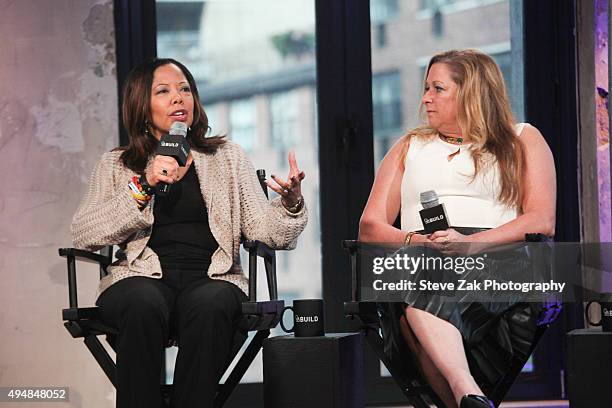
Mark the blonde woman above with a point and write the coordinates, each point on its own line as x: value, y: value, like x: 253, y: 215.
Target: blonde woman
x: 497, y: 179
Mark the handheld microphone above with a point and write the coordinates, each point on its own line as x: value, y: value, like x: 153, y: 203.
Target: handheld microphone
x: 433, y: 214
x: 174, y: 145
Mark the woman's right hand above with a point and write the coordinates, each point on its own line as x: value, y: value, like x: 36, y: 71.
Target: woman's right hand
x: 162, y: 169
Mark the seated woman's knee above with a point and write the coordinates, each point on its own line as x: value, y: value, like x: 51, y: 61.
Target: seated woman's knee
x: 215, y: 299
x: 146, y: 303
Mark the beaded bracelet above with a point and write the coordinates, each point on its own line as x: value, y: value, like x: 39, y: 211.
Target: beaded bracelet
x: 141, y: 191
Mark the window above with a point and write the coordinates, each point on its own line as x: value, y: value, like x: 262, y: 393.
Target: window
x: 428, y: 8
x: 387, y: 103
x: 382, y: 10
x: 217, y: 122
x: 254, y: 64
x: 284, y: 112
x: 242, y: 123
x: 178, y: 28
x: 387, y: 110
x: 434, y: 4
x: 398, y: 68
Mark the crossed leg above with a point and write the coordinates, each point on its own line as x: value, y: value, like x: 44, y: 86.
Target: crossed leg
x: 439, y: 349
x: 433, y: 376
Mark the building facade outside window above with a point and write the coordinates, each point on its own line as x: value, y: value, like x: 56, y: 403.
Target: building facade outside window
x: 284, y: 112
x: 242, y: 128
x: 387, y: 110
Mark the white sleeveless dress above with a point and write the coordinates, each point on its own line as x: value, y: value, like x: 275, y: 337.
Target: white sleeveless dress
x: 468, y: 202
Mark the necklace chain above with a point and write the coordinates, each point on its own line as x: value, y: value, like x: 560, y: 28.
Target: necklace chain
x: 451, y: 139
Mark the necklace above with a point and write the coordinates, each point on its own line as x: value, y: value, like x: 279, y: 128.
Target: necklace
x: 452, y: 140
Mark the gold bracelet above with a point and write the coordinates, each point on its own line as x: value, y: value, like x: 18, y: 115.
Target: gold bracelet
x: 408, y: 238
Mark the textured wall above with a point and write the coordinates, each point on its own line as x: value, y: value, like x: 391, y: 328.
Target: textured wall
x: 58, y: 113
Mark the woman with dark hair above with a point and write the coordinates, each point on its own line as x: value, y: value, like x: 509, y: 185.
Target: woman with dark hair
x: 181, y: 274
x: 497, y: 180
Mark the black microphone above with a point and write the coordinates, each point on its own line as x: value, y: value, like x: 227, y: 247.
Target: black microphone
x: 433, y: 214
x: 174, y: 145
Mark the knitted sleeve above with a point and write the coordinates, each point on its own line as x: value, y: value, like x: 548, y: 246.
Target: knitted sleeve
x: 108, y: 214
x: 262, y: 220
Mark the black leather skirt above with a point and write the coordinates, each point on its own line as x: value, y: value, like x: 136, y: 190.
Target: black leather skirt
x: 497, y: 336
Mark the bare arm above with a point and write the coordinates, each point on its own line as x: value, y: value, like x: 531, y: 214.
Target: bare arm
x: 383, y: 206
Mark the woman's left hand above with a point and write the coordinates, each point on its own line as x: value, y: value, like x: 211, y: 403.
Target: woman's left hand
x: 290, y: 190
x: 450, y: 242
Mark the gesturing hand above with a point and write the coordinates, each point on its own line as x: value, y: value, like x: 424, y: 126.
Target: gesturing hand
x: 291, y: 189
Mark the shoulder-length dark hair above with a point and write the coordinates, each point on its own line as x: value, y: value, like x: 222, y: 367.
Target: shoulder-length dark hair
x: 136, y: 114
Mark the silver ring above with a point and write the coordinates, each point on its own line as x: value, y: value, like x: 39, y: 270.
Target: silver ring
x: 164, y: 172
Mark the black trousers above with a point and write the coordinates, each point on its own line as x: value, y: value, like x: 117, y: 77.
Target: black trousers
x: 202, y: 313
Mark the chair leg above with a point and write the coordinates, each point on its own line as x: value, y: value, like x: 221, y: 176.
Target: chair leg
x: 102, y: 357
x: 241, y: 367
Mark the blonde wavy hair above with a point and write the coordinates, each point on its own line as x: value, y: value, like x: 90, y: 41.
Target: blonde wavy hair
x: 483, y: 115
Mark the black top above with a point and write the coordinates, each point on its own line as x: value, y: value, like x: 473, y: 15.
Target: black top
x: 181, y: 235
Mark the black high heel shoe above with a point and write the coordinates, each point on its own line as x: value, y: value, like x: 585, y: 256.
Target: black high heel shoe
x: 476, y: 401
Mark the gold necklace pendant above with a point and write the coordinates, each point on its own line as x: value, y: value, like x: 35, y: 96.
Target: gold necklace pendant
x: 452, y: 140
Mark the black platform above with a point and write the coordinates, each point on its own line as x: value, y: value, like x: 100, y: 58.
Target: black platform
x: 589, y: 368
x: 306, y: 372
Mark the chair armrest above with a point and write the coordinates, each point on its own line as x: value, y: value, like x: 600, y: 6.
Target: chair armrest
x: 262, y: 249
x: 261, y: 315
x: 80, y: 313
x: 351, y: 244
x: 83, y: 255
x: 259, y: 249
x: 537, y: 237
x: 71, y: 255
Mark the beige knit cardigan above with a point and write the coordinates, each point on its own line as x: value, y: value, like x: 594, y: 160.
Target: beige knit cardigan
x: 236, y: 205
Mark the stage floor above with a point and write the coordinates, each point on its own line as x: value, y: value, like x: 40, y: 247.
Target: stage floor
x: 519, y: 404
